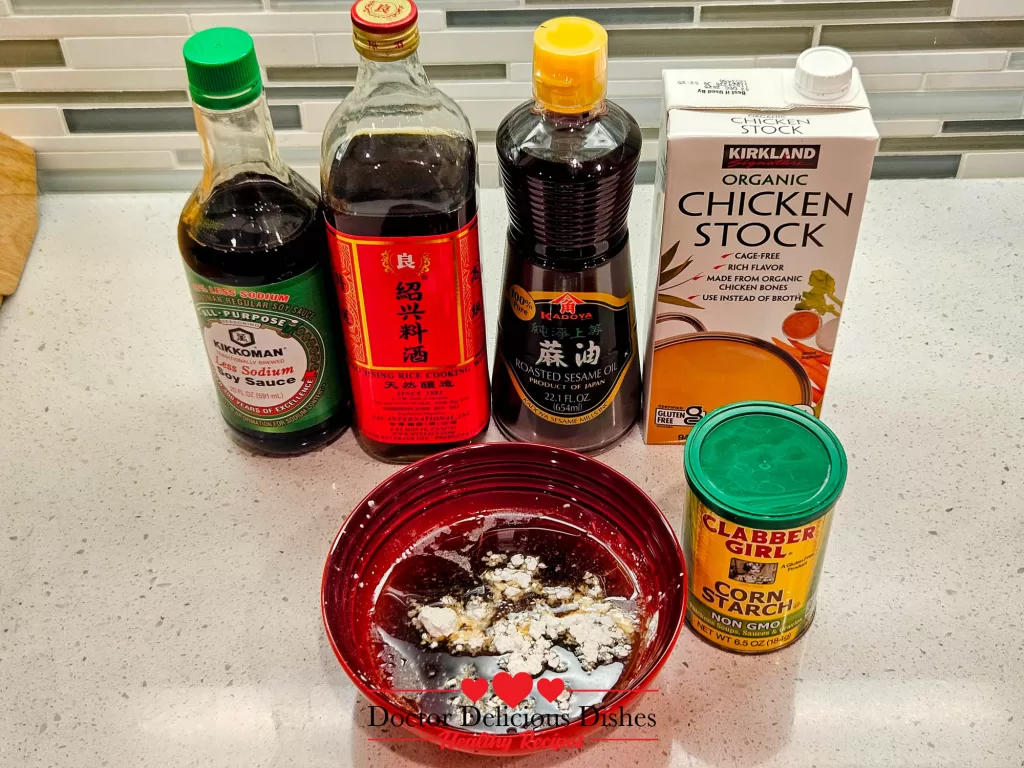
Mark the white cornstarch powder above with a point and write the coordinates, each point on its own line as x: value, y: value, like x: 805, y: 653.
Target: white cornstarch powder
x: 523, y: 619
x: 438, y: 622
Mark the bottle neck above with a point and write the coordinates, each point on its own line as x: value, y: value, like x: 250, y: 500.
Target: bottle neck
x: 569, y: 119
x: 238, y: 141
x: 407, y: 73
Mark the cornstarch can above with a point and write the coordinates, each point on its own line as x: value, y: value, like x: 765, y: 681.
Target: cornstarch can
x: 763, y: 480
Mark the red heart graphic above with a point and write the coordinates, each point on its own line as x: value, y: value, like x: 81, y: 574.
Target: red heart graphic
x: 550, y: 688
x: 512, y: 690
x: 474, y: 688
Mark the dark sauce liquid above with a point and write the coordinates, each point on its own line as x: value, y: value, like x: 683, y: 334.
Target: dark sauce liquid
x: 447, y: 563
x: 402, y: 185
x: 253, y: 231
x: 412, y: 184
x: 568, y: 197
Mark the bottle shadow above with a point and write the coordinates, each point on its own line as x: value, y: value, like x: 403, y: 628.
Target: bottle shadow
x: 730, y: 709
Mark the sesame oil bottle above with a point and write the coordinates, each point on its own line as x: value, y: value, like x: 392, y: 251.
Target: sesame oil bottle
x: 567, y: 368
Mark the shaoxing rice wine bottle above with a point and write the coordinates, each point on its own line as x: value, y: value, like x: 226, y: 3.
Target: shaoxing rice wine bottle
x: 256, y: 258
x: 400, y: 188
x: 567, y: 368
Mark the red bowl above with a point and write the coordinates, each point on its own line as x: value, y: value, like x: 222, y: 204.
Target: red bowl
x: 502, y: 497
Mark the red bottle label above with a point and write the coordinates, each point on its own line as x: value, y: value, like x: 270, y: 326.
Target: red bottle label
x: 413, y: 314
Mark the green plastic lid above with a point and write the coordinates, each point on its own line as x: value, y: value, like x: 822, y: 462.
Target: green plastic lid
x: 765, y: 465
x: 222, y: 69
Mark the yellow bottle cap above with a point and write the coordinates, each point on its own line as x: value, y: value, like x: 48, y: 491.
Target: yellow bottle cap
x: 570, y: 64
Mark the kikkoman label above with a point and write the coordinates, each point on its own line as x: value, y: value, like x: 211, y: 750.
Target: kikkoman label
x: 271, y: 350
x: 752, y: 590
x: 567, y: 353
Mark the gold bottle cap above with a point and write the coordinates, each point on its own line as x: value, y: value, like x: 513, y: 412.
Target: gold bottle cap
x: 570, y: 64
x: 385, y: 30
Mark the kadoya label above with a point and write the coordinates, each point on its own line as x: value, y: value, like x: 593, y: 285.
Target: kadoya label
x: 567, y: 352
x: 413, y: 315
x: 270, y: 349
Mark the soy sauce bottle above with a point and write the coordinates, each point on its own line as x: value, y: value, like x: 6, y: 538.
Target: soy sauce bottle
x: 252, y: 239
x: 399, y: 183
x: 566, y: 370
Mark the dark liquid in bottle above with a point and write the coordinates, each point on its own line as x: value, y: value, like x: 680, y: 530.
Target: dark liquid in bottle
x: 568, y: 235
x: 253, y: 231
x: 402, y: 185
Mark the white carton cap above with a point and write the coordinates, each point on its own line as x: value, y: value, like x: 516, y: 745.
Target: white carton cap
x: 824, y: 73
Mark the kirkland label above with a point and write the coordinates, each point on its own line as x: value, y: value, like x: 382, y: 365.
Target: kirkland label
x: 271, y: 350
x: 413, y: 315
x: 567, y: 353
x: 770, y: 156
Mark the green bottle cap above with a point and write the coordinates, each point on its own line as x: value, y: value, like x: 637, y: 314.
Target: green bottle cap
x: 765, y: 465
x: 222, y: 69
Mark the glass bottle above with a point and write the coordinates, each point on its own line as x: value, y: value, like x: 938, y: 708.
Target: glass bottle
x: 252, y: 239
x: 566, y: 369
x: 399, y: 183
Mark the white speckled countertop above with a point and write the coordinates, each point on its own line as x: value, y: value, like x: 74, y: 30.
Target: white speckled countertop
x: 159, y: 587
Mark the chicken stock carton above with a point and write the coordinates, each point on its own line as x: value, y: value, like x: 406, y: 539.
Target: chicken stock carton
x: 760, y: 188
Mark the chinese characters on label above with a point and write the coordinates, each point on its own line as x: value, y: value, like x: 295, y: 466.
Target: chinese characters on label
x: 567, y: 353
x: 551, y: 354
x: 409, y: 295
x: 413, y: 311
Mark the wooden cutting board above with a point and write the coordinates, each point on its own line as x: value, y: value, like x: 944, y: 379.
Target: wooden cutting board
x: 19, y: 212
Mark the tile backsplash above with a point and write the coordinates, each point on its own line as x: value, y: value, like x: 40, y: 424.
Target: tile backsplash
x: 98, y: 87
